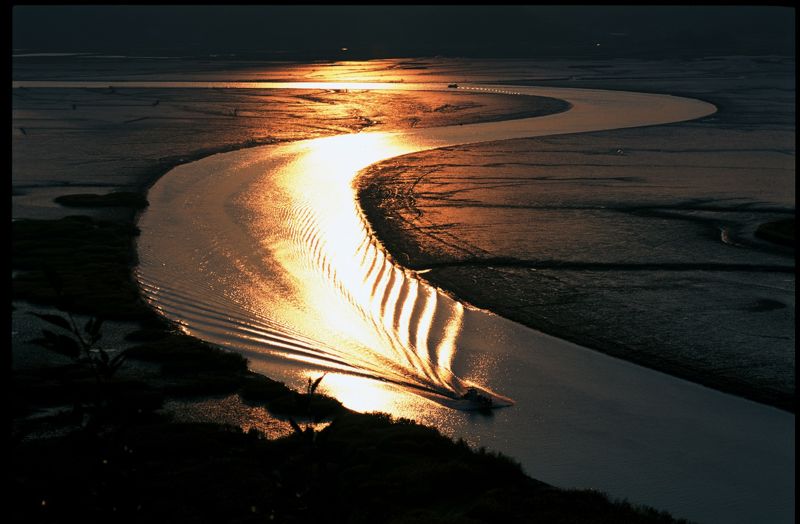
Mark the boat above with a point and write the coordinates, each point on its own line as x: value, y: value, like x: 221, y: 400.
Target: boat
x: 452, y: 86
x: 478, y: 400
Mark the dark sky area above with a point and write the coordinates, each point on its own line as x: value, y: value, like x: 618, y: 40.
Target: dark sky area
x: 391, y: 31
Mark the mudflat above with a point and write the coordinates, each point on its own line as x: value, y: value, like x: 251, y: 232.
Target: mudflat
x: 639, y: 243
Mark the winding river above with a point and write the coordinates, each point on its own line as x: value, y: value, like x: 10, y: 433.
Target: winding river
x: 265, y: 251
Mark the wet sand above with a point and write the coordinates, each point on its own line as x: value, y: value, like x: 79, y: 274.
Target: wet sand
x: 639, y: 243
x: 68, y: 141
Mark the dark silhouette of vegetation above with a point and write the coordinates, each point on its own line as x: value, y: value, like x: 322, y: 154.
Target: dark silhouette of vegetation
x: 283, y: 401
x: 362, y: 468
x: 78, y: 345
x: 93, y: 259
x: 81, y: 346
x: 315, y: 417
x: 190, y: 367
x: 134, y: 464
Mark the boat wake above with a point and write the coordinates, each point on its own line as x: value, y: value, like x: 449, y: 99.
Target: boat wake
x: 271, y: 273
x: 265, y: 251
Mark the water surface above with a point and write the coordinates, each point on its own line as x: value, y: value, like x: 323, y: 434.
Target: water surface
x: 265, y: 251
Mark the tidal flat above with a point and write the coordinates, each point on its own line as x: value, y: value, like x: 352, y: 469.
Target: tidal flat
x: 639, y: 243
x: 35, y: 187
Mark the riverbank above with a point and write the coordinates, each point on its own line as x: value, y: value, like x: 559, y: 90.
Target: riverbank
x: 108, y: 449
x: 71, y: 141
x: 643, y: 244
x: 586, y: 252
x: 59, y: 210
x: 686, y: 440
x: 105, y: 447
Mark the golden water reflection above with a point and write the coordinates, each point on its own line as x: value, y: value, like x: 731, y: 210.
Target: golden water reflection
x: 215, y: 242
x: 281, y: 265
x: 367, y: 396
x: 377, y: 325
x: 196, y: 84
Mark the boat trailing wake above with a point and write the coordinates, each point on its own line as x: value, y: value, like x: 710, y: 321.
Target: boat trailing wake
x: 273, y: 277
x: 266, y: 252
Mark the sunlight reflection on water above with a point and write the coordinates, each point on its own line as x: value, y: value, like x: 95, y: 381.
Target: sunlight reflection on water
x: 375, y: 316
x: 289, y: 268
x: 265, y: 251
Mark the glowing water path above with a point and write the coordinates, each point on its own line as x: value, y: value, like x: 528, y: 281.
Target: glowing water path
x: 265, y: 251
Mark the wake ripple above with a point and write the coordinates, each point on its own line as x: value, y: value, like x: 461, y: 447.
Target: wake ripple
x: 265, y: 251
x: 414, y: 327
